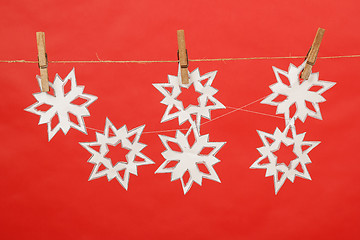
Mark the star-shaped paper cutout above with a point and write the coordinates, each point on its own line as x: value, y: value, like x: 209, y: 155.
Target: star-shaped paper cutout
x: 117, y: 138
x: 202, y: 109
x: 280, y: 171
x: 61, y: 104
x: 190, y: 158
x: 298, y: 93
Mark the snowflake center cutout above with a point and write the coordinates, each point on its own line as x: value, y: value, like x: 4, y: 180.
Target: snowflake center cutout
x: 285, y: 155
x: 117, y: 153
x: 189, y: 97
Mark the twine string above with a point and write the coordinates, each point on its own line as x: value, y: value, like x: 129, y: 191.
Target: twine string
x: 235, y: 109
x: 175, y: 61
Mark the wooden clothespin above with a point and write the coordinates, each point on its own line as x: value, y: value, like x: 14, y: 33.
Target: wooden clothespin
x: 183, y: 56
x: 312, y: 54
x: 43, y: 61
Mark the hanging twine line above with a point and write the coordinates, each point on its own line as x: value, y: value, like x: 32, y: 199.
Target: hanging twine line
x: 234, y: 109
x: 175, y: 61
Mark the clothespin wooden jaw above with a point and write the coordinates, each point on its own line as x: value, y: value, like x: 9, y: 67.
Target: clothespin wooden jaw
x: 183, y: 56
x: 43, y: 61
x: 312, y: 54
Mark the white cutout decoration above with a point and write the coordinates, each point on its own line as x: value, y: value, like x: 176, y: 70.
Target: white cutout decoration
x: 61, y: 104
x: 205, y: 89
x: 188, y: 158
x: 280, y: 171
x: 117, y: 138
x: 297, y: 93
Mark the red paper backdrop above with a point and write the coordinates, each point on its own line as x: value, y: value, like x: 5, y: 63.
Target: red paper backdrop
x: 45, y: 193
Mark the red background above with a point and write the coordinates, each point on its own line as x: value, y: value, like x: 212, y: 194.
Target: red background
x: 44, y: 185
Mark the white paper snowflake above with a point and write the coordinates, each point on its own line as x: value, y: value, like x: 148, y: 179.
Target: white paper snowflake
x: 202, y: 109
x: 61, y: 104
x: 297, y: 93
x: 118, y: 138
x: 190, y: 158
x: 280, y: 171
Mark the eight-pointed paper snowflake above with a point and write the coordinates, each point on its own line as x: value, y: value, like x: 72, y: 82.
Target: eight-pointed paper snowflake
x: 61, y: 103
x: 280, y: 171
x: 202, y: 109
x: 189, y: 158
x: 297, y: 93
x: 119, y: 138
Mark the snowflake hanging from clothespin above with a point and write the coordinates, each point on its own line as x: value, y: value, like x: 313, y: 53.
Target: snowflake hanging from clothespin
x: 112, y: 167
x: 270, y: 162
x: 197, y: 160
x: 207, y: 101
x: 62, y: 105
x: 298, y: 93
